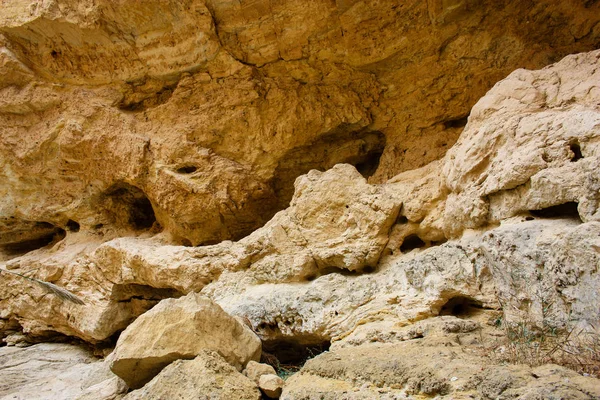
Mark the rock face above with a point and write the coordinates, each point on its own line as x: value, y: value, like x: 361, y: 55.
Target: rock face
x: 56, y: 371
x: 207, y: 376
x: 446, y: 363
x: 324, y: 175
x: 176, y: 329
x: 199, y: 115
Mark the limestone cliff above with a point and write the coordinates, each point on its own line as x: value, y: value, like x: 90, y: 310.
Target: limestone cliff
x: 382, y: 179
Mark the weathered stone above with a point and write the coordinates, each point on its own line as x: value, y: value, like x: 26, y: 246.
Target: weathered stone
x: 208, y: 376
x: 255, y: 370
x: 271, y: 385
x: 56, y: 371
x: 336, y: 222
x: 208, y: 113
x: 530, y: 144
x: 180, y: 329
x: 444, y: 366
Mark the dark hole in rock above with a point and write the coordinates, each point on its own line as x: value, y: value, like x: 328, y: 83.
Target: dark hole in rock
x: 402, y: 220
x: 129, y: 207
x: 412, y: 242
x: 345, y: 144
x: 529, y: 218
x: 368, y: 269
x: 565, y: 210
x: 460, y: 122
x: 139, y: 100
x: 461, y: 307
x: 188, y: 169
x: 438, y: 242
x: 576, y: 150
x: 54, y: 53
x: 73, y: 226
x: 127, y: 292
x: 288, y: 356
x: 46, y: 235
x: 369, y: 164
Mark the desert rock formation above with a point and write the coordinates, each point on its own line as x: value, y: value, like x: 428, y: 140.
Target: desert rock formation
x: 375, y: 179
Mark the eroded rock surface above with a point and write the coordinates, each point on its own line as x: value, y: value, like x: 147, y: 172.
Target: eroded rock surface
x: 200, y: 114
x: 447, y: 364
x: 138, y: 143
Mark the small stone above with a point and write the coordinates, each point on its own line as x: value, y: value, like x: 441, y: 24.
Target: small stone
x: 271, y: 385
x: 254, y: 370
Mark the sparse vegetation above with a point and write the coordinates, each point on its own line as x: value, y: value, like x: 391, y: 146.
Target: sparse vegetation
x: 574, y: 348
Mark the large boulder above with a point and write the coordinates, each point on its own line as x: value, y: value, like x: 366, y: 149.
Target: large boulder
x: 208, y: 376
x: 181, y: 329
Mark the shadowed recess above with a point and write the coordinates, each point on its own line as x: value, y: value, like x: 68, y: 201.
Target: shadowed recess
x: 461, y: 307
x: 412, y: 242
x: 565, y: 210
x: 128, y: 207
x: 33, y: 236
x: 288, y: 356
x: 361, y: 148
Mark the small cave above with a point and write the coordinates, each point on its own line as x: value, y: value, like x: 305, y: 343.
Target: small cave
x: 187, y: 169
x: 565, y: 210
x: 140, y: 98
x: 368, y: 269
x: 412, y: 242
x: 576, y: 150
x: 461, y: 307
x: 361, y: 148
x: 402, y: 220
x: 127, y: 292
x: 459, y: 122
x: 368, y: 164
x: 129, y: 207
x: 288, y: 356
x: 42, y: 234
x: 73, y: 226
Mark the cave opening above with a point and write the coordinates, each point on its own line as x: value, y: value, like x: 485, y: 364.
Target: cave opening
x: 42, y: 234
x: 576, y: 150
x: 288, y: 356
x: 129, y: 207
x: 412, y: 242
x: 459, y: 122
x: 73, y: 226
x: 187, y: 169
x: 565, y: 210
x: 361, y: 148
x: 461, y: 307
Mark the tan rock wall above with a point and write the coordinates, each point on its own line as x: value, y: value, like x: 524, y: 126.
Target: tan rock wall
x: 213, y: 108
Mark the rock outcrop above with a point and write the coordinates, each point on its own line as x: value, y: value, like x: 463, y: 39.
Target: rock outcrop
x: 449, y: 363
x: 199, y: 115
x: 321, y: 177
x: 180, y: 329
